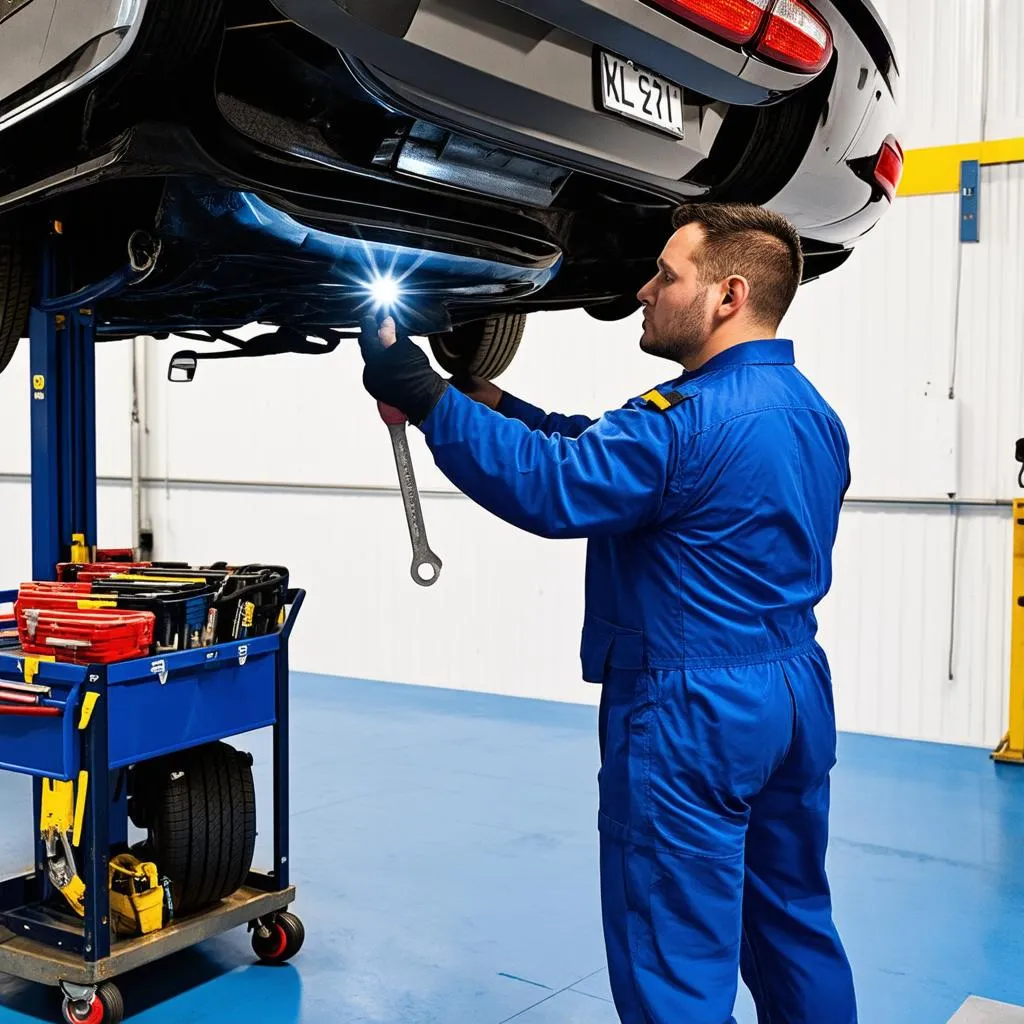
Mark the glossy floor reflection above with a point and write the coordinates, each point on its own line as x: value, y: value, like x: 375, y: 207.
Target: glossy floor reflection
x: 444, y: 847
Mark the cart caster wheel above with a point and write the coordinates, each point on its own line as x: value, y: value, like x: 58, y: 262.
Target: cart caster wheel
x: 107, y: 1007
x: 278, y: 940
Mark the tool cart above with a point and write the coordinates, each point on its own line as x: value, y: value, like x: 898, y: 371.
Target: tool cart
x: 83, y: 722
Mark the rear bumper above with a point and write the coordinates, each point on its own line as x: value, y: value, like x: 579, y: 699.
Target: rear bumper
x: 522, y: 72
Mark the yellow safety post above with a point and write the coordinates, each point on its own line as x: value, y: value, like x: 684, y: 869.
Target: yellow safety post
x: 1011, y: 749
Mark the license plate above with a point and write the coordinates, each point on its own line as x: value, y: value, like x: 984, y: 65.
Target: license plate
x: 639, y: 94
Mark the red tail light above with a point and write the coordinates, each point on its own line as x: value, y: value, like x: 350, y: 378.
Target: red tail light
x: 796, y: 36
x: 734, y: 20
x: 889, y: 166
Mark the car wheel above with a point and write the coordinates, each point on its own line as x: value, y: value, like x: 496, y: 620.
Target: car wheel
x: 16, y: 281
x: 483, y: 348
x: 199, y: 808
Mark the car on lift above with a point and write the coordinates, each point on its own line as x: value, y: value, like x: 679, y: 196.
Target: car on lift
x: 275, y: 161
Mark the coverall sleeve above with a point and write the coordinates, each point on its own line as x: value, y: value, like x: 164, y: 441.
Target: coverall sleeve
x: 612, y: 479
x: 537, y: 419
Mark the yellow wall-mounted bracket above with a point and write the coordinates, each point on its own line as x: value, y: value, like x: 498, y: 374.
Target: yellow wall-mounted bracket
x: 1011, y: 749
x: 935, y: 170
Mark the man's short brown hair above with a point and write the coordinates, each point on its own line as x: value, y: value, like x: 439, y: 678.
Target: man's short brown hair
x: 750, y: 241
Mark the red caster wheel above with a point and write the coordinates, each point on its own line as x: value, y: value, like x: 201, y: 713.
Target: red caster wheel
x: 276, y: 940
x: 104, y: 1006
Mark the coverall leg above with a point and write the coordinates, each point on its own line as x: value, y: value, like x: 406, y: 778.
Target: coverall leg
x: 683, y: 753
x: 793, y: 960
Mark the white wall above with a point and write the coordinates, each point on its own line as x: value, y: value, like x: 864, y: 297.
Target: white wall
x: 917, y: 589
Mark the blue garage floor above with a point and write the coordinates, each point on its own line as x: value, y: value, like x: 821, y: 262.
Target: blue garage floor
x: 445, y: 850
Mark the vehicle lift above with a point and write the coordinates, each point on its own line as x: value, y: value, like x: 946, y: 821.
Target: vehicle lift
x: 97, y: 719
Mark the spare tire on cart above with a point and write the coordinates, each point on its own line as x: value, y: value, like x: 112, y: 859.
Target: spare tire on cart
x: 199, y: 809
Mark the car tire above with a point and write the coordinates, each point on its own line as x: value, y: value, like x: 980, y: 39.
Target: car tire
x: 483, y: 348
x: 199, y: 808
x: 16, y: 280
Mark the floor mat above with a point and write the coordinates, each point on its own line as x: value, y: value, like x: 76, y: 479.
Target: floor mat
x: 984, y: 1011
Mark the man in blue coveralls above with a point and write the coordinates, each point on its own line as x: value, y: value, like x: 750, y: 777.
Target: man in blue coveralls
x: 711, y: 506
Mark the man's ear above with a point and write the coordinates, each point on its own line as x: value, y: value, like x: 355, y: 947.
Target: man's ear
x: 735, y: 292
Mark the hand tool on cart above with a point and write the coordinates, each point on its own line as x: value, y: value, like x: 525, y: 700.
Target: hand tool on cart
x: 60, y: 826
x: 426, y: 566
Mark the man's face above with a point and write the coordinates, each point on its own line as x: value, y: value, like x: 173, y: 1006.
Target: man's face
x: 677, y: 307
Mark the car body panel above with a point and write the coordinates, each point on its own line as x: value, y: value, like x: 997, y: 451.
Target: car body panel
x: 508, y: 76
x: 219, y: 241
x: 65, y: 44
x: 862, y: 112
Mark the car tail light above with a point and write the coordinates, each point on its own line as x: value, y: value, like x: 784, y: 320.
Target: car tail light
x: 796, y: 36
x: 734, y: 20
x: 889, y: 166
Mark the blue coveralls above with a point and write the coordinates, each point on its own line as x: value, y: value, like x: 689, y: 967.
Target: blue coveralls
x: 711, y: 524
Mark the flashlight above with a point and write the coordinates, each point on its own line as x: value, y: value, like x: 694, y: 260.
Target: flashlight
x: 385, y: 291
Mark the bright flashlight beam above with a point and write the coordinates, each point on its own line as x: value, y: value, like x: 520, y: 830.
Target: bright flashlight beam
x: 385, y: 291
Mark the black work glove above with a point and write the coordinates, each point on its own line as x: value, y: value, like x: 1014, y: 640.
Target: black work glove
x: 399, y: 374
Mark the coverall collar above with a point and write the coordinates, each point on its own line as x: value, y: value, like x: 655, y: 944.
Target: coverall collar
x: 764, y: 351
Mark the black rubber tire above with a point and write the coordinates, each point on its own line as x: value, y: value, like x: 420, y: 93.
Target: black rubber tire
x: 16, y: 279
x: 287, y: 934
x: 199, y: 808
x: 109, y: 997
x: 483, y: 348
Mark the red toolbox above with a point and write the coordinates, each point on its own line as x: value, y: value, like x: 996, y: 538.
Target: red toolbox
x: 49, y: 588
x: 70, y: 571
x: 84, y: 637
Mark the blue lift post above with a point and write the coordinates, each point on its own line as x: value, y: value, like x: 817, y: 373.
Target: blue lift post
x: 63, y: 427
x: 63, y: 369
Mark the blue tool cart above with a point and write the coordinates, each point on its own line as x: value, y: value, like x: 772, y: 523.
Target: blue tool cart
x: 92, y: 722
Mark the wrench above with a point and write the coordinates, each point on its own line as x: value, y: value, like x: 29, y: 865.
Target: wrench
x: 426, y: 566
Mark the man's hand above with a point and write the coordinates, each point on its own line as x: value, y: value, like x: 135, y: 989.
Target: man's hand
x: 398, y: 373
x: 479, y: 389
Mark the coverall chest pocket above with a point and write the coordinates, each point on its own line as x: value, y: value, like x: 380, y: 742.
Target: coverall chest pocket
x: 614, y: 656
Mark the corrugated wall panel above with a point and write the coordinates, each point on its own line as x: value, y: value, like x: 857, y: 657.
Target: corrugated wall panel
x: 885, y: 624
x: 889, y: 348
x: 893, y: 632
x: 1004, y: 95
x: 940, y: 48
x: 990, y: 353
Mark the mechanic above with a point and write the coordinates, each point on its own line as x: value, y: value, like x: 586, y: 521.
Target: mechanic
x: 711, y: 507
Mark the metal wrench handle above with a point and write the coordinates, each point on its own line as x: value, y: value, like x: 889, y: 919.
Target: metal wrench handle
x: 426, y: 566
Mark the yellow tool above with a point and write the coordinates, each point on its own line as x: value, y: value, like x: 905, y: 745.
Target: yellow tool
x: 60, y: 824
x: 79, y: 549
x: 140, y: 578
x: 136, y: 896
